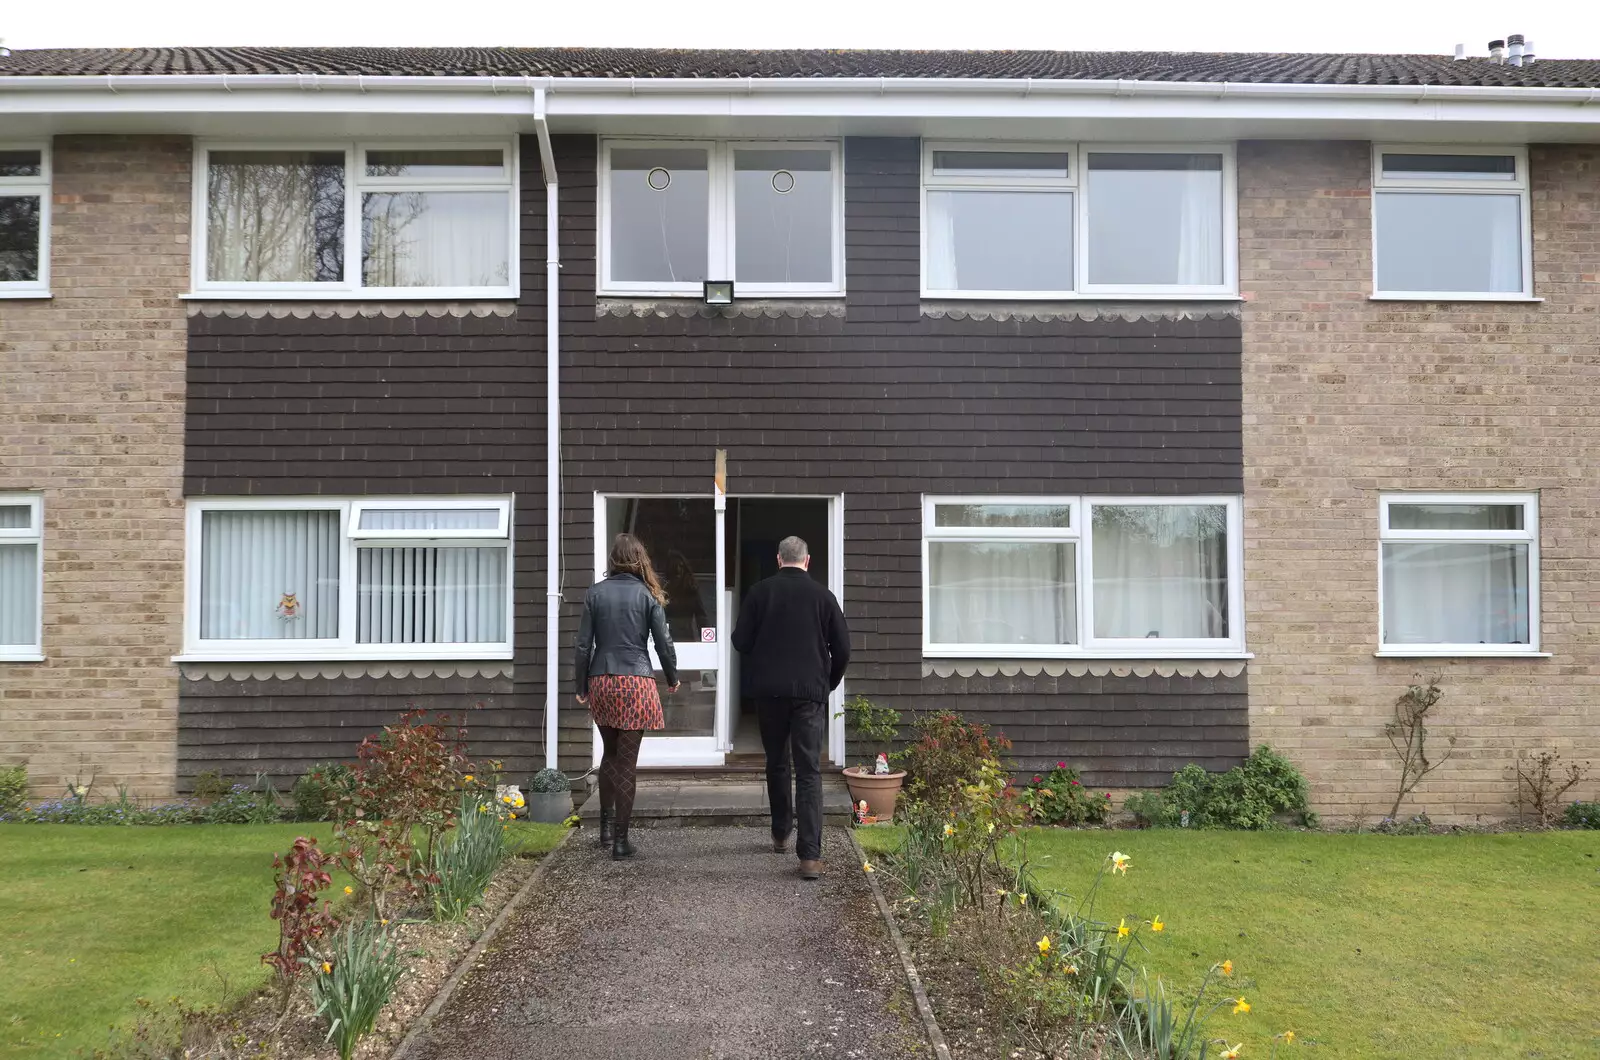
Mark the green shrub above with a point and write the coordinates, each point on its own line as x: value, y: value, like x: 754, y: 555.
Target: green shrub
x: 1582, y: 815
x: 875, y: 726
x: 351, y: 984
x: 1149, y: 809
x: 317, y: 793
x: 1059, y: 797
x: 13, y: 789
x: 1247, y: 796
x: 549, y: 780
x: 209, y: 786
x: 246, y: 804
x: 948, y: 752
x: 466, y: 859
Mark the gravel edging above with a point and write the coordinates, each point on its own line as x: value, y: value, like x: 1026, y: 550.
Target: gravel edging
x: 930, y: 1024
x: 448, y: 988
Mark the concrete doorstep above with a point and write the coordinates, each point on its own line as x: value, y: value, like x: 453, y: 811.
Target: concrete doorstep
x: 723, y: 801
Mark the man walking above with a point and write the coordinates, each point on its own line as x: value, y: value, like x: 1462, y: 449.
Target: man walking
x: 796, y: 646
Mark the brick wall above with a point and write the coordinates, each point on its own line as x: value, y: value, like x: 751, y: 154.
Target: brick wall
x: 1345, y: 398
x: 91, y: 415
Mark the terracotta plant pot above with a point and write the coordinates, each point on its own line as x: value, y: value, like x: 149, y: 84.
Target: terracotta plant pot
x: 879, y: 790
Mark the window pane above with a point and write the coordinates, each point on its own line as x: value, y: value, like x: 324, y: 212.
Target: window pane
x: 1455, y: 517
x: 1002, y: 592
x: 16, y: 516
x: 1161, y: 571
x: 435, y: 164
x: 999, y: 241
x: 680, y: 535
x: 660, y: 214
x: 1155, y: 219
x: 21, y: 163
x: 1467, y: 243
x: 1000, y: 163
x: 429, y: 519
x: 980, y: 515
x: 19, y: 238
x: 435, y: 239
x: 1450, y: 167
x: 783, y: 225
x: 19, y: 595
x: 1463, y: 593
x: 431, y: 595
x: 275, y: 216
x: 269, y: 575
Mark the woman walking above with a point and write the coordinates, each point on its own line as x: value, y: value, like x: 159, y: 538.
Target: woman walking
x: 615, y: 679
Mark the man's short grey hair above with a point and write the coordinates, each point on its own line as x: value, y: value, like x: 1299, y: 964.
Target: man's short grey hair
x: 792, y: 550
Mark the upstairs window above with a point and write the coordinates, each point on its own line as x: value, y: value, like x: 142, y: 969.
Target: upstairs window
x: 24, y: 220
x: 1451, y: 223
x: 768, y: 216
x: 341, y: 220
x: 1459, y: 574
x: 21, y: 541
x: 1025, y: 220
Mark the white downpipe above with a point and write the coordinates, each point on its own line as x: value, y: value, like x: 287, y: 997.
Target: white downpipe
x: 552, y: 441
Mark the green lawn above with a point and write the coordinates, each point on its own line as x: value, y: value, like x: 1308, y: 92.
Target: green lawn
x: 1372, y: 946
x: 95, y: 917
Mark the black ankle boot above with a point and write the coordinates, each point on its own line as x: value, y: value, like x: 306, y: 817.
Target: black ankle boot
x: 607, y: 830
x: 621, y: 849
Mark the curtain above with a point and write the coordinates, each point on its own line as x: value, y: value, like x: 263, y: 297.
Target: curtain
x: 1160, y: 571
x: 1200, y: 228
x: 1455, y: 593
x: 19, y: 592
x: 943, y: 271
x: 431, y: 595
x: 1010, y: 592
x: 1505, y: 244
x: 435, y: 239
x: 269, y: 575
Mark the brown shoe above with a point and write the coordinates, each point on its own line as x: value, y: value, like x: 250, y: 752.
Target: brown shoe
x: 810, y: 870
x: 780, y: 844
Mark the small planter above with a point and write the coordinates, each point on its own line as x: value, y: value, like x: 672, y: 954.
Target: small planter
x: 879, y: 790
x: 550, y: 807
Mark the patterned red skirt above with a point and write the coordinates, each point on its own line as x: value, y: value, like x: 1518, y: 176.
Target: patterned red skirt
x: 625, y: 701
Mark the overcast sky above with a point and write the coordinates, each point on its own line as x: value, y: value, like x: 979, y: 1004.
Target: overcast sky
x: 1558, y: 28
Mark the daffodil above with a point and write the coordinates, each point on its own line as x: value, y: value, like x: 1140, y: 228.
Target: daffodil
x: 1002, y: 892
x: 1288, y: 1037
x: 866, y: 866
x: 384, y: 922
x: 326, y: 967
x: 1231, y: 1054
x: 1122, y: 928
x: 1023, y: 898
x: 1119, y: 862
x: 521, y: 802
x: 482, y: 808
x: 1240, y: 1005
x: 949, y: 830
x: 349, y: 890
x: 468, y: 778
x: 991, y: 826
x: 1227, y: 967
x: 1070, y: 969
x: 1044, y: 944
x: 1156, y: 925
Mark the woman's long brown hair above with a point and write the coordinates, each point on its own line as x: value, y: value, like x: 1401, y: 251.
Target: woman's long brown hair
x: 629, y: 557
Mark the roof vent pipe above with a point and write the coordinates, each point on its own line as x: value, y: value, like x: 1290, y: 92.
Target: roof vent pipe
x: 1461, y: 52
x: 1514, y: 49
x: 1527, y: 53
x: 1497, y: 52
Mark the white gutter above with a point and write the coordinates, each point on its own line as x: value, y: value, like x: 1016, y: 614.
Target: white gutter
x: 758, y: 86
x: 552, y: 438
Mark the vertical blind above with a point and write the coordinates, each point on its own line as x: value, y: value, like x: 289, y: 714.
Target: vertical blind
x: 253, y: 562
x: 431, y: 595
x: 19, y: 591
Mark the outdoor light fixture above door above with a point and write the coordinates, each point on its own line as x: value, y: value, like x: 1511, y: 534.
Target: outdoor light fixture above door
x: 719, y: 292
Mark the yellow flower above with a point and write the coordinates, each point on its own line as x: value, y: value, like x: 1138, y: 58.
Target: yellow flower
x: 1227, y: 967
x: 1122, y: 928
x: 505, y: 828
x: 505, y: 798
x: 866, y: 866
x: 991, y: 826
x: 384, y: 922
x: 949, y: 830
x: 1288, y: 1037
x: 1002, y: 892
x: 1156, y: 924
x: 1023, y: 898
x: 468, y: 778
x: 349, y: 890
x: 326, y: 967
x: 1119, y: 862
x: 1044, y: 944
x: 482, y: 808
x: 1241, y: 1005
x: 521, y: 802
x: 1231, y: 1054
x: 1071, y: 969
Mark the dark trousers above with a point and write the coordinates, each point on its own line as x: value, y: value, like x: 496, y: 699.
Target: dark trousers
x: 791, y: 732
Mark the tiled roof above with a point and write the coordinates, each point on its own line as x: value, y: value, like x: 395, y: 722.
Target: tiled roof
x: 1305, y: 69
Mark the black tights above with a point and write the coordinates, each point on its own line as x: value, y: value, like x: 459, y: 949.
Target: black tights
x: 619, y: 773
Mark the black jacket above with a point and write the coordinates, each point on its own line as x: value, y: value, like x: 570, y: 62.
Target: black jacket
x: 793, y: 638
x: 619, y: 614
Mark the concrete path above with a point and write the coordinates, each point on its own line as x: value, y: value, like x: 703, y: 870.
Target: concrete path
x: 707, y: 947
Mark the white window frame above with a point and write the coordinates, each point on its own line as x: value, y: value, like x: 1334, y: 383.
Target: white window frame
x: 1080, y: 533
x: 345, y: 645
x: 720, y: 235
x: 24, y: 187
x: 1076, y: 183
x: 1455, y: 186
x: 32, y: 534
x: 355, y: 182
x: 1529, y: 535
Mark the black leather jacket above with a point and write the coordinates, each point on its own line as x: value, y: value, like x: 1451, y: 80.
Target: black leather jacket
x: 618, y: 615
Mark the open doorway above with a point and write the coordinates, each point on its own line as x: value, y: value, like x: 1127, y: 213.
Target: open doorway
x: 757, y: 524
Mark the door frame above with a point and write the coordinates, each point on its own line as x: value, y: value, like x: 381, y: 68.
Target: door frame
x: 712, y: 750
